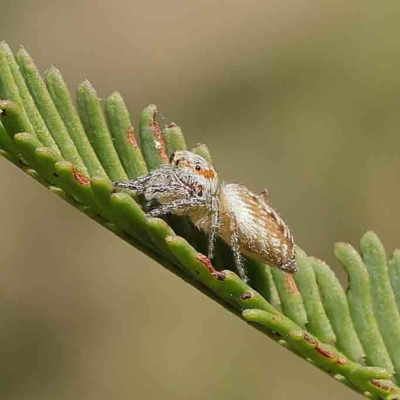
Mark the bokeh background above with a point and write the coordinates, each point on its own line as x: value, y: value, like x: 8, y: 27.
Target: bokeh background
x: 301, y: 97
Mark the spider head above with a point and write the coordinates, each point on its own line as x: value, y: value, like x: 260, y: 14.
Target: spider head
x: 195, y: 170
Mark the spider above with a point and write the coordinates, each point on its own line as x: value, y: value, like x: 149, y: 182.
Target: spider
x: 189, y: 185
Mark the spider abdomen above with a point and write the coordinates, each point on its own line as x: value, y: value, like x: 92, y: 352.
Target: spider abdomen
x: 261, y: 232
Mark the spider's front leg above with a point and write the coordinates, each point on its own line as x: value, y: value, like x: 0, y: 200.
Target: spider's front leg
x: 138, y: 185
x: 179, y: 207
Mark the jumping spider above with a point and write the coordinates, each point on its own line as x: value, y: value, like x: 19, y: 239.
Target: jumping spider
x: 189, y: 185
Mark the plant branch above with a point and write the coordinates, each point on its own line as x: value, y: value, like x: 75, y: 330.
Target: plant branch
x: 77, y: 155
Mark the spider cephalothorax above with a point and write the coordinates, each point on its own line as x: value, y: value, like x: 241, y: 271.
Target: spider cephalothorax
x: 245, y: 221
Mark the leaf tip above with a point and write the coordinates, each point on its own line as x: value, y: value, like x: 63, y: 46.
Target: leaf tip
x: 53, y: 70
x: 115, y: 96
x: 5, y: 47
x: 151, y: 108
x: 22, y: 52
x: 86, y: 87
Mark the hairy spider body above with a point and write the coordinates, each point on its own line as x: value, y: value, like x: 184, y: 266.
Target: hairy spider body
x: 245, y: 221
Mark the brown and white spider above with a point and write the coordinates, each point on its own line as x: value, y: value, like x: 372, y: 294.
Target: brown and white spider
x: 189, y: 185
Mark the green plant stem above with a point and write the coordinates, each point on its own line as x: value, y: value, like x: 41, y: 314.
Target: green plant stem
x: 325, y: 356
x: 13, y: 120
x: 98, y: 148
x: 27, y: 145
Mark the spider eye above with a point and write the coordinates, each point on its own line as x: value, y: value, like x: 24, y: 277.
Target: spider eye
x: 197, y: 167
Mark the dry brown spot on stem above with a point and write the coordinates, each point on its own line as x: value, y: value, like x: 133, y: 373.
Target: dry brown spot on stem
x: 382, y: 385
x: 292, y: 284
x: 321, y: 350
x: 81, y: 178
x: 155, y: 128
x: 130, y: 135
x: 341, y: 360
x: 326, y: 353
x: 206, y: 261
x: 310, y: 339
x: 246, y: 296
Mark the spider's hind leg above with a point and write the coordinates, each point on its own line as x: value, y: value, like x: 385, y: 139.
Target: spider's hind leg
x: 264, y: 196
x: 214, y: 227
x: 239, y: 260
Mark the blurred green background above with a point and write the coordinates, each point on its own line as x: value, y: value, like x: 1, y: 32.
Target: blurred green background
x: 301, y: 97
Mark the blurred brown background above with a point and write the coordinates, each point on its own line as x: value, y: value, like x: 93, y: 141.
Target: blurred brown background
x: 298, y: 96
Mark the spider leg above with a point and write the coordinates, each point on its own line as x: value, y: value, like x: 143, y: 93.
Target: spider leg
x: 290, y: 266
x: 180, y: 206
x: 214, y: 227
x: 239, y: 262
x: 264, y: 196
x: 137, y: 185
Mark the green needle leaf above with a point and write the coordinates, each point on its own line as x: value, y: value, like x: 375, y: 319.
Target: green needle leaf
x: 360, y: 303
x: 62, y: 100
x: 383, y: 300
x: 9, y: 89
x: 6, y: 143
x: 124, y: 136
x: 318, y: 323
x: 174, y: 139
x: 291, y: 300
x: 96, y: 128
x: 202, y: 150
x: 72, y: 181
x: 26, y: 100
x: 13, y: 119
x: 47, y: 109
x: 151, y: 139
x: 27, y: 145
x: 261, y: 279
x: 394, y: 273
x: 337, y: 309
